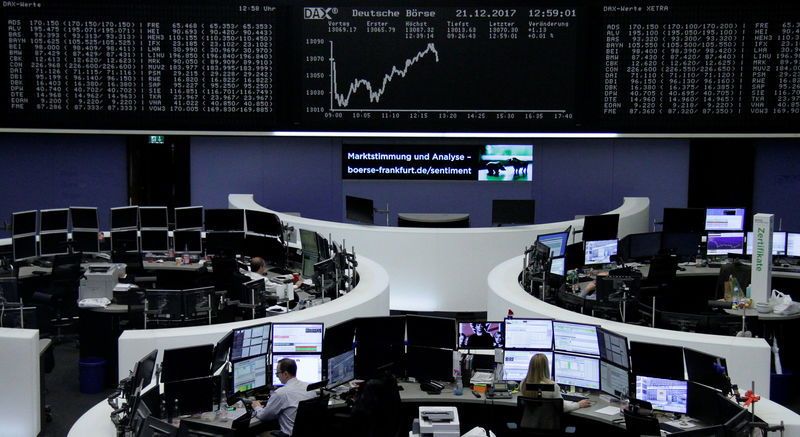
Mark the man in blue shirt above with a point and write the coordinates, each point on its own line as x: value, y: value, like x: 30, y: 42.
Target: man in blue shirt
x: 282, y: 405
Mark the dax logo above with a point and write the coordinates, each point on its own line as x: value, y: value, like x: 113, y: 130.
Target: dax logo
x: 319, y: 13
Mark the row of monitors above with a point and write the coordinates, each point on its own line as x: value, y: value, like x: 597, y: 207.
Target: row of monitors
x: 147, y: 217
x: 647, y: 245
x: 703, y: 219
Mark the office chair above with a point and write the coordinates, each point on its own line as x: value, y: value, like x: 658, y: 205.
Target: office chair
x: 62, y: 294
x: 153, y: 427
x: 539, y: 417
x: 637, y: 425
x: 190, y: 428
x: 312, y: 417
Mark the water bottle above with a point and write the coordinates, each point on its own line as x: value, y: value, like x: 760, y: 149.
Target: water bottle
x: 186, y: 254
x: 459, y: 385
x: 737, y: 292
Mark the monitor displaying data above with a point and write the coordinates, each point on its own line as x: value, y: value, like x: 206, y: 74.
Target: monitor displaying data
x: 665, y: 394
x: 249, y: 342
x: 558, y: 266
x: 529, y: 333
x: 576, y: 370
x: 251, y: 373
x: 516, y: 363
x: 614, y: 380
x: 778, y: 243
x: 793, y: 244
x: 723, y: 243
x: 613, y: 348
x: 599, y: 251
x: 556, y: 242
x: 725, y: 219
x: 296, y: 337
x: 309, y: 367
x: 575, y: 337
x: 341, y: 368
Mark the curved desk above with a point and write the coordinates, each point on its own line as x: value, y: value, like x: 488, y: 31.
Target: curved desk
x: 444, y: 269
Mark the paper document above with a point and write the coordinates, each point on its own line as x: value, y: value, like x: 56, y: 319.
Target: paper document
x: 609, y: 411
x: 481, y: 378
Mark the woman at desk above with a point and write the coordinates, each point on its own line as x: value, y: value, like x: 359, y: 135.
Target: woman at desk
x: 539, y: 373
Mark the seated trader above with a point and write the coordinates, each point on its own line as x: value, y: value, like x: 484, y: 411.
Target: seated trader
x: 538, y: 373
x: 257, y: 268
x: 283, y: 403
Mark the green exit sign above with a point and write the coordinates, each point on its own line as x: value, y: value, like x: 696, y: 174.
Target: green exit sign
x: 156, y: 139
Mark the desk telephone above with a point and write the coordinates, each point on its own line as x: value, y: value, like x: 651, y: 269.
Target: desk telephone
x: 498, y: 390
x: 431, y: 387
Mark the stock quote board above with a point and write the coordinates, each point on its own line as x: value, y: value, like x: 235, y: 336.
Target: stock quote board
x: 539, y: 66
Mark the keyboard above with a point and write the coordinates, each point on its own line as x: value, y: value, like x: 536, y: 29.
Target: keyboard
x: 669, y: 428
x: 573, y: 397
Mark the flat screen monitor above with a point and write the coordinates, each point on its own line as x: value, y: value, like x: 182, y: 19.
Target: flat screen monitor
x: 23, y: 223
x: 224, y: 220
x: 24, y: 247
x: 576, y: 370
x: 429, y: 363
x: 53, y: 243
x: 706, y: 369
x: 53, y: 220
x: 144, y: 370
x: 339, y: 338
x: 706, y: 403
x: 263, y: 223
x: 186, y: 362
x: 252, y: 292
x: 307, y: 266
x: 639, y: 247
x: 155, y: 240
x: 793, y: 244
x: 600, y: 227
x: 85, y: 241
x: 778, y: 243
x: 193, y: 395
x: 309, y: 367
x: 288, y: 338
x: 599, y: 251
x: 125, y: 217
x: 341, y: 368
x: 268, y: 247
x: 558, y: 266
x: 613, y: 348
x: 682, y: 244
x: 221, y: 351
x: 575, y: 337
x: 614, y: 380
x: 516, y: 364
x: 251, y: 373
x: 250, y: 341
x: 689, y: 220
x: 529, y: 333
x: 513, y: 211
x: 188, y: 241
x: 84, y: 217
x: 431, y: 331
x: 574, y: 256
x: 225, y: 243
x: 556, y: 242
x: 659, y: 360
x: 664, y: 394
x: 480, y: 335
x: 153, y: 217
x: 723, y: 243
x: 725, y: 219
x: 308, y: 241
x: 125, y: 241
x: 189, y: 217
x: 359, y: 210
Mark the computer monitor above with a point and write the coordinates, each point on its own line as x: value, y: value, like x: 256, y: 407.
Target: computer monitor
x: 430, y: 331
x: 599, y: 252
x: 23, y: 223
x: 224, y: 220
x: 359, y: 209
x: 225, y: 243
x: 793, y: 244
x: 517, y: 362
x: 125, y: 241
x: 528, y: 333
x: 513, y: 211
x: 658, y: 360
x: 600, y: 227
x: 724, y: 219
x: 707, y: 369
x: 575, y: 337
x: 85, y: 241
x: 576, y: 370
x: 640, y: 247
x: 556, y: 242
x: 155, y: 240
x: 684, y: 220
x: 558, y: 266
x: 309, y: 367
x: 221, y: 351
x: 153, y: 217
x: 308, y: 241
x: 614, y: 380
x: 683, y: 245
x: 778, y: 243
x: 272, y: 249
x: 24, y: 247
x: 480, y: 335
x: 197, y: 302
x: 289, y: 338
x: 189, y: 217
x: 574, y: 256
x: 193, y: 395
x: 251, y: 373
x: 250, y: 341
x: 84, y: 218
x: 341, y: 368
x: 143, y: 373
x: 125, y: 217
x: 53, y: 243
x: 613, y: 348
x: 708, y: 404
x: 53, y: 220
x: 664, y: 394
x: 429, y: 363
x: 186, y: 362
x: 253, y: 291
x: 263, y: 223
x: 723, y: 243
x: 339, y: 338
x: 187, y: 241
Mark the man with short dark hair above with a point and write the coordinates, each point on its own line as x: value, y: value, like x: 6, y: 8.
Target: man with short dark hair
x: 282, y: 405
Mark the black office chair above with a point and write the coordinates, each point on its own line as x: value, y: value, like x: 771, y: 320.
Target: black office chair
x: 189, y: 428
x: 539, y: 417
x: 62, y: 294
x: 313, y: 418
x: 637, y: 425
x: 153, y: 427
